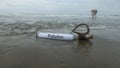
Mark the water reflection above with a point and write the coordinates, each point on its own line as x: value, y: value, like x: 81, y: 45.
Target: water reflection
x: 83, y: 47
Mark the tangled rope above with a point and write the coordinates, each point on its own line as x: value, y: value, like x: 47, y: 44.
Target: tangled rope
x: 85, y: 35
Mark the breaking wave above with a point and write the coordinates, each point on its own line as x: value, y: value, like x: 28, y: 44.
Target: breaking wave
x: 25, y: 28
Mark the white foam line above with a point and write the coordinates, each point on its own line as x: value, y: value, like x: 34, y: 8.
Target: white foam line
x: 97, y: 27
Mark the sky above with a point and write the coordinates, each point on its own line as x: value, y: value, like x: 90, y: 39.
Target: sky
x: 59, y: 6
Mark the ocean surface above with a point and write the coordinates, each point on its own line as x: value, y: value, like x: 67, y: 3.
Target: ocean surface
x: 15, y: 24
x: 19, y: 47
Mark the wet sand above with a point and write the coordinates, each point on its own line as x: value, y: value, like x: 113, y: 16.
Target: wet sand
x: 25, y: 51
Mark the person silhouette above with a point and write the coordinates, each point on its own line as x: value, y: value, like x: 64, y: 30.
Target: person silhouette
x: 94, y: 13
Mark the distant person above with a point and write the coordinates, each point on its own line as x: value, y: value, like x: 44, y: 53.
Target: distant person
x: 94, y: 12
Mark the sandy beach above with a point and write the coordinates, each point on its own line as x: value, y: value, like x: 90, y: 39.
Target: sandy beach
x: 25, y: 51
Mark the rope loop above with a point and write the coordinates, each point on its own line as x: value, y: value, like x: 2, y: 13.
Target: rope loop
x: 87, y: 32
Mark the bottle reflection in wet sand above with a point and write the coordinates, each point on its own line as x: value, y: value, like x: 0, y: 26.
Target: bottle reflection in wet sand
x: 83, y: 47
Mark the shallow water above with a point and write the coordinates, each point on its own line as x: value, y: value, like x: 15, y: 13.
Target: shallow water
x: 23, y: 50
